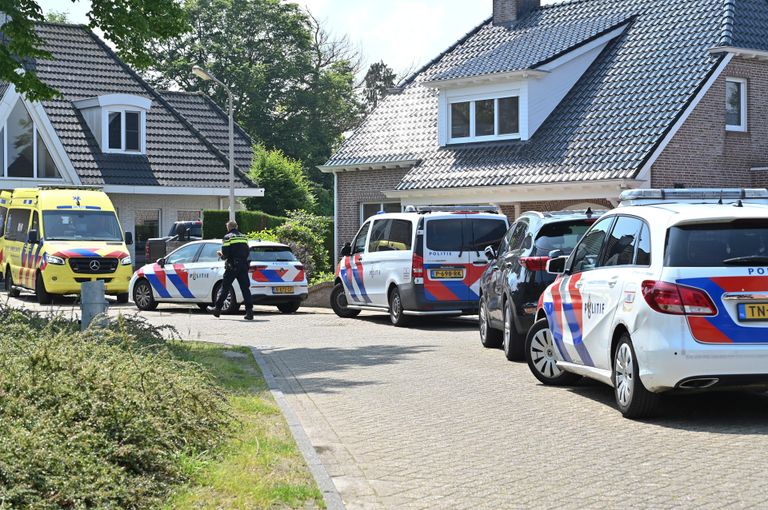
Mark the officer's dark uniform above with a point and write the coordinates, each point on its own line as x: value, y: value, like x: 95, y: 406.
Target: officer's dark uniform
x: 234, y: 251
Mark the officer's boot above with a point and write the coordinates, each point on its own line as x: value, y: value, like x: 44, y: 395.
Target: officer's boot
x: 214, y: 311
x: 249, y: 315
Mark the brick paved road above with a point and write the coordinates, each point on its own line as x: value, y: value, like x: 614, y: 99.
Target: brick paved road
x: 426, y: 418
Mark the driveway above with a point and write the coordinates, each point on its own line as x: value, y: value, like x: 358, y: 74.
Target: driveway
x: 427, y: 418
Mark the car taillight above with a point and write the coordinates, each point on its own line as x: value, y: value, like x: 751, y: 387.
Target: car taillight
x: 674, y: 299
x: 534, y: 263
x: 299, y: 266
x: 417, y: 266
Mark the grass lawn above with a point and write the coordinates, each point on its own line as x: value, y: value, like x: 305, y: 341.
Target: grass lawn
x: 260, y: 465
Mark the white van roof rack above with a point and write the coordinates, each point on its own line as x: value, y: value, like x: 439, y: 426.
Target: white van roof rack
x: 425, y: 209
x: 693, y: 196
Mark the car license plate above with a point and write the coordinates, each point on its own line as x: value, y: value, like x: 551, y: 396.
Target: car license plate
x: 446, y: 274
x: 282, y: 290
x: 753, y: 312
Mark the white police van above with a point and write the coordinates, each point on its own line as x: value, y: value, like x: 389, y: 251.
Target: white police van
x: 667, y: 293
x: 425, y: 261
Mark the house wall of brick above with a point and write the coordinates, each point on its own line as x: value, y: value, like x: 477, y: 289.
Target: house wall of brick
x: 704, y: 154
x: 356, y: 188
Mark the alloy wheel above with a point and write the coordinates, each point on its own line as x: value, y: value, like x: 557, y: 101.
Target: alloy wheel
x: 542, y: 354
x: 483, y: 320
x: 624, y: 370
x: 143, y: 295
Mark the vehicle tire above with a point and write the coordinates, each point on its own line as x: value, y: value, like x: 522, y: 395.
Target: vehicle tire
x: 541, y: 357
x: 231, y: 305
x: 288, y: 308
x: 396, y: 315
x: 339, y: 303
x: 513, y: 343
x: 143, y: 297
x: 122, y: 298
x: 489, y: 337
x: 633, y: 400
x: 12, y: 292
x: 43, y: 298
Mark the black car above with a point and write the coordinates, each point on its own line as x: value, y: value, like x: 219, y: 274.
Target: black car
x: 517, y: 276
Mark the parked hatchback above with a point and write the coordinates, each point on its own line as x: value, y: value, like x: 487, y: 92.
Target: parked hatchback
x: 511, y: 286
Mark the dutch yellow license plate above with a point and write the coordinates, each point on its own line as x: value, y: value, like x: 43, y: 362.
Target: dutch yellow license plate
x: 753, y: 312
x: 282, y: 290
x: 447, y: 274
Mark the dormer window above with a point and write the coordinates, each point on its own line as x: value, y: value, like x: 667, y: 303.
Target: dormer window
x: 484, y: 119
x: 117, y: 121
x: 23, y: 153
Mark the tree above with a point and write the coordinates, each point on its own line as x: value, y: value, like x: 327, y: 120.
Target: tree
x: 131, y: 25
x: 285, y: 185
x: 293, y: 84
x: 379, y: 79
x: 57, y: 17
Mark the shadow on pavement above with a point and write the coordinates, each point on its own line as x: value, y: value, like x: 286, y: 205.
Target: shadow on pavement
x: 426, y: 324
x: 715, y: 412
x: 314, y: 369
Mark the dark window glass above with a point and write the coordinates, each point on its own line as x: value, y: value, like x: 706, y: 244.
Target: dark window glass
x: 445, y: 235
x: 620, y: 245
x: 509, y: 115
x: 378, y: 240
x: 400, y: 235
x: 459, y: 120
x: 18, y: 222
x: 559, y: 236
x: 733, y: 105
x: 209, y: 252
x: 717, y: 244
x: 464, y: 234
x: 35, y: 223
x: 3, y: 214
x: 518, y: 235
x: 132, y: 131
x: 587, y: 253
x: 643, y: 257
x: 20, y: 143
x: 115, y: 131
x: 271, y: 254
x: 72, y: 225
x: 184, y: 255
x: 46, y: 168
x: 359, y: 245
x: 374, y: 209
x: 487, y: 233
x: 484, y: 118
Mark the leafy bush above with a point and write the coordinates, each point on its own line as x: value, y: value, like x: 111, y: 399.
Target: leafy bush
x: 100, y: 419
x: 214, y: 222
x: 319, y: 278
x: 285, y: 184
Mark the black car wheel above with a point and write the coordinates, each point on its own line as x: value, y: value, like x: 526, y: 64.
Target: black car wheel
x: 633, y: 400
x: 289, y: 308
x: 542, y: 358
x: 489, y: 337
x: 43, y: 298
x: 396, y: 312
x: 230, y: 305
x: 514, y: 343
x: 143, y: 296
x: 339, y: 303
x: 9, y: 288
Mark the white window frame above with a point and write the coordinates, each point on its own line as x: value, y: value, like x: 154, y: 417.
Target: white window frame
x: 741, y: 128
x: 381, y: 208
x: 142, y: 130
x: 472, y: 100
x: 4, y: 161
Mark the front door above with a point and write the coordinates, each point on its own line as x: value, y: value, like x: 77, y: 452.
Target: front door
x: 205, y: 271
x: 351, y: 269
x: 177, y: 268
x: 376, y: 261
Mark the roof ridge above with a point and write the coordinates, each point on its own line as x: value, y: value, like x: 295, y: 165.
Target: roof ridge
x: 63, y: 24
x: 156, y: 95
x: 729, y: 14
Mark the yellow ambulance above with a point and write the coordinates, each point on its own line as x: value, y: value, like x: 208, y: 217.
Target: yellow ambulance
x: 55, y: 238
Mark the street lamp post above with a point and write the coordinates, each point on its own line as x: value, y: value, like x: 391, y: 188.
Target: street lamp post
x: 206, y: 76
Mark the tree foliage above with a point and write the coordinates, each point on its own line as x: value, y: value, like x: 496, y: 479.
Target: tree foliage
x: 132, y: 25
x: 57, y: 17
x: 293, y: 83
x: 285, y: 186
x: 379, y: 79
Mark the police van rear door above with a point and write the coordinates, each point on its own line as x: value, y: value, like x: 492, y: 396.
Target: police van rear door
x: 447, y: 258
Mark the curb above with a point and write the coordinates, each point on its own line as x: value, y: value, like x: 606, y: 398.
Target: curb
x: 331, y: 495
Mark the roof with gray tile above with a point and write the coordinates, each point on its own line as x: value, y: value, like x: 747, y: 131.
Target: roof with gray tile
x: 749, y: 25
x: 607, y: 126
x: 178, y: 154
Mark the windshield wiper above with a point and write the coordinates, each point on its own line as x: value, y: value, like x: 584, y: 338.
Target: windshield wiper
x: 752, y: 259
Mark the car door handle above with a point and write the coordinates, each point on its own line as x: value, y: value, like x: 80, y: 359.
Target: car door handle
x: 579, y: 285
x: 613, y: 281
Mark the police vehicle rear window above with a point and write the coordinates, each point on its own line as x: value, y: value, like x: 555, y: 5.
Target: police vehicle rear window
x: 743, y: 242
x: 560, y: 236
x: 462, y: 234
x: 271, y: 254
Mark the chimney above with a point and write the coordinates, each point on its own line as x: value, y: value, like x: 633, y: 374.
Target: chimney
x: 509, y: 11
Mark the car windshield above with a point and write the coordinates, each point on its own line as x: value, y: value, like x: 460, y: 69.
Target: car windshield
x: 195, y: 229
x: 271, y: 254
x: 76, y: 225
x: 742, y: 242
x: 561, y: 236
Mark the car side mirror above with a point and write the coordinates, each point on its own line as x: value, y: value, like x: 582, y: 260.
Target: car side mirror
x: 33, y: 237
x: 490, y: 253
x: 128, y: 238
x: 161, y: 261
x: 346, y: 250
x: 557, y: 265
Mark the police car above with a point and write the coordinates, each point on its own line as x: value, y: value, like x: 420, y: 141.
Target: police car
x: 667, y: 293
x: 426, y: 261
x: 193, y: 274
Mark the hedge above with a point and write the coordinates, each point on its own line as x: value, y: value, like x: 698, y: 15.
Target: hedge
x: 214, y: 222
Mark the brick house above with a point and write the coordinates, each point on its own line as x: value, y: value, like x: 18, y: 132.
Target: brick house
x: 567, y: 105
x: 159, y: 155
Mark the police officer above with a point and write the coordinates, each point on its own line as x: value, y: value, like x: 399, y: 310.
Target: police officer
x: 234, y: 251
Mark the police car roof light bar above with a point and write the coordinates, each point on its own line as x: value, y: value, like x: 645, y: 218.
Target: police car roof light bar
x: 700, y: 195
x: 425, y: 209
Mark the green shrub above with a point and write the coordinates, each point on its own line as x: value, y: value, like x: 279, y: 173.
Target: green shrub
x: 215, y: 222
x: 101, y: 419
x: 286, y: 187
x: 319, y: 278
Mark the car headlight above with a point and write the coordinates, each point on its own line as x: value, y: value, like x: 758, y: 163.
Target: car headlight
x: 52, y: 259
x: 126, y: 261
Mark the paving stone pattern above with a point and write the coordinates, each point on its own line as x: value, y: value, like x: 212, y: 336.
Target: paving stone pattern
x: 427, y: 418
